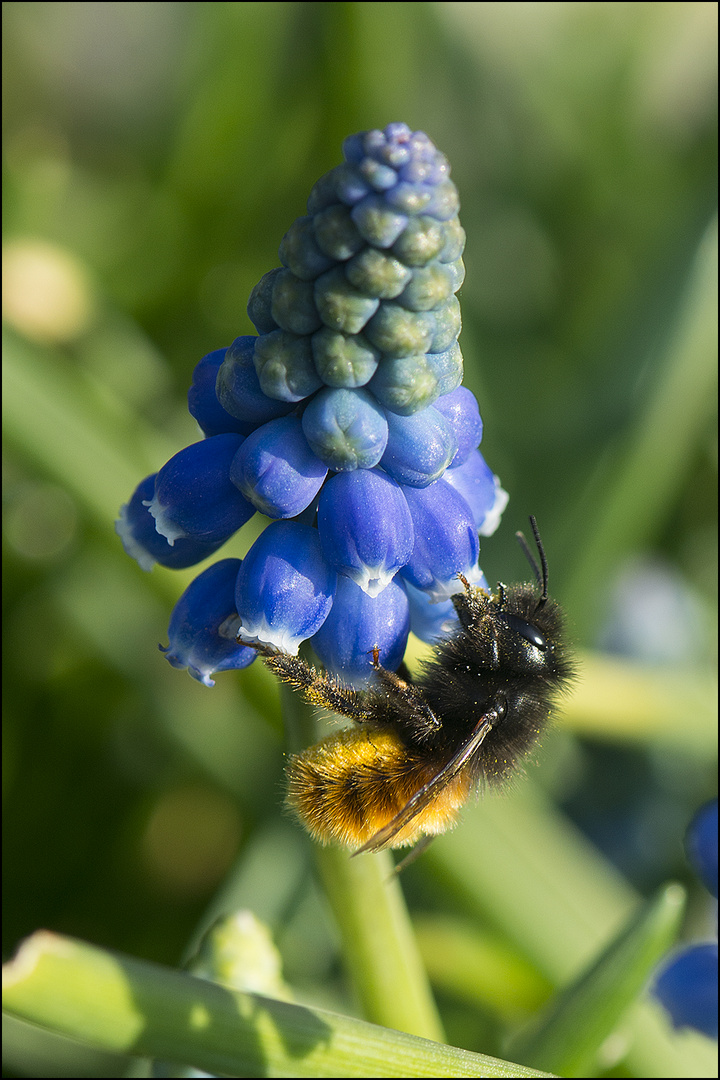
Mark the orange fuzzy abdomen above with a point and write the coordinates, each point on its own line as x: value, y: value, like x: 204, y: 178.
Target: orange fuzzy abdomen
x: 350, y: 785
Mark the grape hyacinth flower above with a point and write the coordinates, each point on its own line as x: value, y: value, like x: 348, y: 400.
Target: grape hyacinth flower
x: 688, y: 985
x: 343, y: 419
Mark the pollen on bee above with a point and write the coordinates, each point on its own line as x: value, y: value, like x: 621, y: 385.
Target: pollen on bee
x: 352, y: 784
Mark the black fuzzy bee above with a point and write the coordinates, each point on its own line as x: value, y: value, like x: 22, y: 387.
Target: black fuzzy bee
x: 417, y: 750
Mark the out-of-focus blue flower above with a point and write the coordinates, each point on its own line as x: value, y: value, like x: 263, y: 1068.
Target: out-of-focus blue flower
x: 688, y: 988
x: 701, y: 844
x: 197, y: 619
x: 194, y: 495
x: 348, y: 399
x: 688, y: 985
x: 446, y: 541
x: 276, y: 470
x: 357, y: 624
x: 285, y: 588
x: 136, y: 528
x: 365, y: 527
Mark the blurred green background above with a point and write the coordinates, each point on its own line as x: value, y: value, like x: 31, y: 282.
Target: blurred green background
x: 155, y: 153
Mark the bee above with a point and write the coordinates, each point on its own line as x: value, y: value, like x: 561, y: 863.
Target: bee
x: 418, y: 749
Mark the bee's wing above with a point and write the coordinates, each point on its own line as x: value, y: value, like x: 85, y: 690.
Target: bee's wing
x: 426, y: 794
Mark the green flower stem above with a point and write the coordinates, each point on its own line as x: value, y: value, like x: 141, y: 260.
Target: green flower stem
x: 121, y: 1004
x: 379, y: 943
x: 568, y: 1036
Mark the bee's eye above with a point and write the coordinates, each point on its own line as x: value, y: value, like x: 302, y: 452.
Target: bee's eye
x: 525, y: 630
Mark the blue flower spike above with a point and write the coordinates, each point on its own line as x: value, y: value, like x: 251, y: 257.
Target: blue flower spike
x: 344, y: 420
x: 688, y: 985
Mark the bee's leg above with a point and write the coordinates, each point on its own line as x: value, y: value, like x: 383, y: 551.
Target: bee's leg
x: 421, y: 846
x: 318, y: 687
x: 409, y: 707
x: 471, y: 604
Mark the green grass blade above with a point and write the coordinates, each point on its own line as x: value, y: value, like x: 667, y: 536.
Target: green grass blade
x: 125, y: 1005
x: 568, y: 1035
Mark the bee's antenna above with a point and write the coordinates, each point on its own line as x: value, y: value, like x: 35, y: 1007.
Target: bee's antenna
x: 540, y: 571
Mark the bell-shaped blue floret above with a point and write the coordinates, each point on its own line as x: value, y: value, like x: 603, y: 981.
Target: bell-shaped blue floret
x: 365, y: 527
x: 142, y: 541
x: 481, y: 489
x: 194, y: 496
x: 350, y: 187
x: 419, y: 447
x: 446, y: 541
x: 347, y: 429
x: 285, y: 587
x: 324, y: 193
x: 276, y: 470
x: 203, y: 404
x: 359, y: 623
x: 430, y: 621
x: 688, y: 988
x: 197, y: 619
x: 238, y: 388
x: 430, y: 287
x: 460, y: 409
